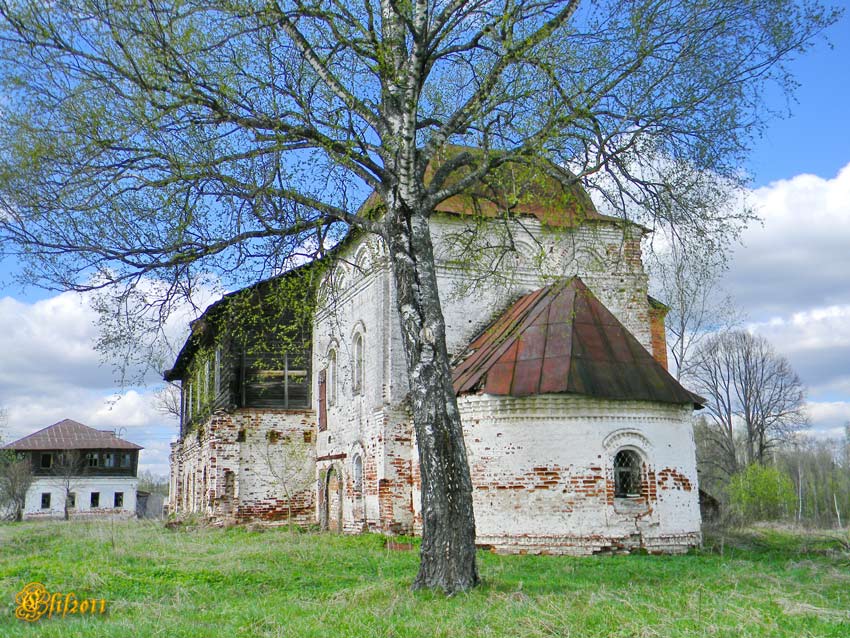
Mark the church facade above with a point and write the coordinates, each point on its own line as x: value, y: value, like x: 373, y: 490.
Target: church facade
x: 578, y: 439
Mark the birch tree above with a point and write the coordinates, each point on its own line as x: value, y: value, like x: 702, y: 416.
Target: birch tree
x: 177, y: 140
x: 755, y: 400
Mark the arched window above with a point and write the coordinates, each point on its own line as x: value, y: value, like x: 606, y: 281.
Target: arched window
x: 357, y: 385
x: 627, y: 474
x: 331, y: 377
x: 357, y: 473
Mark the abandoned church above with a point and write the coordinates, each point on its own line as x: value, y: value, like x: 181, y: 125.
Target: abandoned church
x: 579, y: 441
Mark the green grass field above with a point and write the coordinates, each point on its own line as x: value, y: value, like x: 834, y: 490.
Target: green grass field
x: 236, y: 582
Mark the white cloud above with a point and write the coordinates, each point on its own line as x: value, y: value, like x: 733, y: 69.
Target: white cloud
x: 50, y: 371
x: 798, y: 260
x: 791, y: 277
x: 47, y: 342
x: 133, y: 415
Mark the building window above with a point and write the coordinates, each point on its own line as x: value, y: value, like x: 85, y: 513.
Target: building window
x: 95, y: 499
x: 91, y: 459
x: 240, y: 436
x: 217, y: 373
x: 126, y: 459
x: 109, y: 460
x: 46, y: 460
x: 45, y: 500
x: 198, y: 392
x: 358, y: 474
x: 206, y: 380
x: 627, y: 474
x: 331, y: 377
x: 119, y: 499
x: 357, y: 386
x: 276, y: 379
x: 72, y: 500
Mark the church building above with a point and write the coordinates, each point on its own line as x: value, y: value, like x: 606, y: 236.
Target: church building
x: 579, y: 440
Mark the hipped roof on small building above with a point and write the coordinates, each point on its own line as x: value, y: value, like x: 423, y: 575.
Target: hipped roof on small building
x: 71, y: 435
x: 561, y: 338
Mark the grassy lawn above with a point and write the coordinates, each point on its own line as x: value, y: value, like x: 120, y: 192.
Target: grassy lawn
x: 237, y: 582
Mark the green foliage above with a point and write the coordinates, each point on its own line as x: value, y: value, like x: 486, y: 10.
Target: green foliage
x: 198, y: 582
x: 761, y: 493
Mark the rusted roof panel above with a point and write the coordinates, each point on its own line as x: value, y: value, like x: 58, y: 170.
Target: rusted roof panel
x: 71, y: 435
x: 562, y: 339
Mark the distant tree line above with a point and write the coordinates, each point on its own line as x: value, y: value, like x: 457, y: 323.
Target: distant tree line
x: 752, y: 452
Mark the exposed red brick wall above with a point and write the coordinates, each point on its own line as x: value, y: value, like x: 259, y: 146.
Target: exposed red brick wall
x: 658, y: 334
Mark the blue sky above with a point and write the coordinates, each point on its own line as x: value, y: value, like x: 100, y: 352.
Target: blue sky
x: 790, y: 276
x: 816, y: 138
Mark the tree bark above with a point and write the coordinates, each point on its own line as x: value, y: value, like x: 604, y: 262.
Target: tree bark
x: 447, y: 559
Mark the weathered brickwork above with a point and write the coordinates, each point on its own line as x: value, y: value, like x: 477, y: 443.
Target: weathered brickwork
x: 542, y: 466
x: 544, y: 481
x: 241, y: 465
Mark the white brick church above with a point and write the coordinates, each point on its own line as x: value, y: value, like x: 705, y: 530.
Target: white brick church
x: 578, y: 439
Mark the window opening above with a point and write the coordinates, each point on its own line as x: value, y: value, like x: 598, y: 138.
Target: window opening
x: 627, y: 471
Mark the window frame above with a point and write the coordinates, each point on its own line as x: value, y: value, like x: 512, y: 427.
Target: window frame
x: 357, y: 474
x: 118, y: 500
x: 358, y: 364
x: 636, y: 472
x: 45, y: 500
x: 94, y: 500
x: 331, y: 377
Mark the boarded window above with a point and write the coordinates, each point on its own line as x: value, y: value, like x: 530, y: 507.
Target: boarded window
x: 627, y: 474
x: 276, y: 380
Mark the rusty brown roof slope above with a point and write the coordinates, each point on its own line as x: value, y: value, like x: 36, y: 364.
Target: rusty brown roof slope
x: 70, y: 435
x: 516, y: 189
x: 562, y: 339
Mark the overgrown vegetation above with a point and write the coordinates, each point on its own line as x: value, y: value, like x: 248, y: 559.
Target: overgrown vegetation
x: 238, y: 582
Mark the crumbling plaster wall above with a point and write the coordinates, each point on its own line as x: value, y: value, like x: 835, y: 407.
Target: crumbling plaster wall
x: 542, y: 471
x: 358, y: 296
x: 234, y: 467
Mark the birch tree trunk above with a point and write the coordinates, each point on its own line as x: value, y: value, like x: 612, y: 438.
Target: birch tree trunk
x: 447, y: 559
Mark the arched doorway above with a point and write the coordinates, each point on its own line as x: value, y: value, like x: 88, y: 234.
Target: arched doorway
x: 332, y: 501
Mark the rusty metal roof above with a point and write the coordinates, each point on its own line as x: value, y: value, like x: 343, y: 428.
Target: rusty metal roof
x: 70, y: 435
x: 562, y: 339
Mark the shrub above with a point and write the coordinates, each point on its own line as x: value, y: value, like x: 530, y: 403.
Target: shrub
x: 761, y: 493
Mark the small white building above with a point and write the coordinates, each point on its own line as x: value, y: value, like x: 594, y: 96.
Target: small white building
x: 79, y: 470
